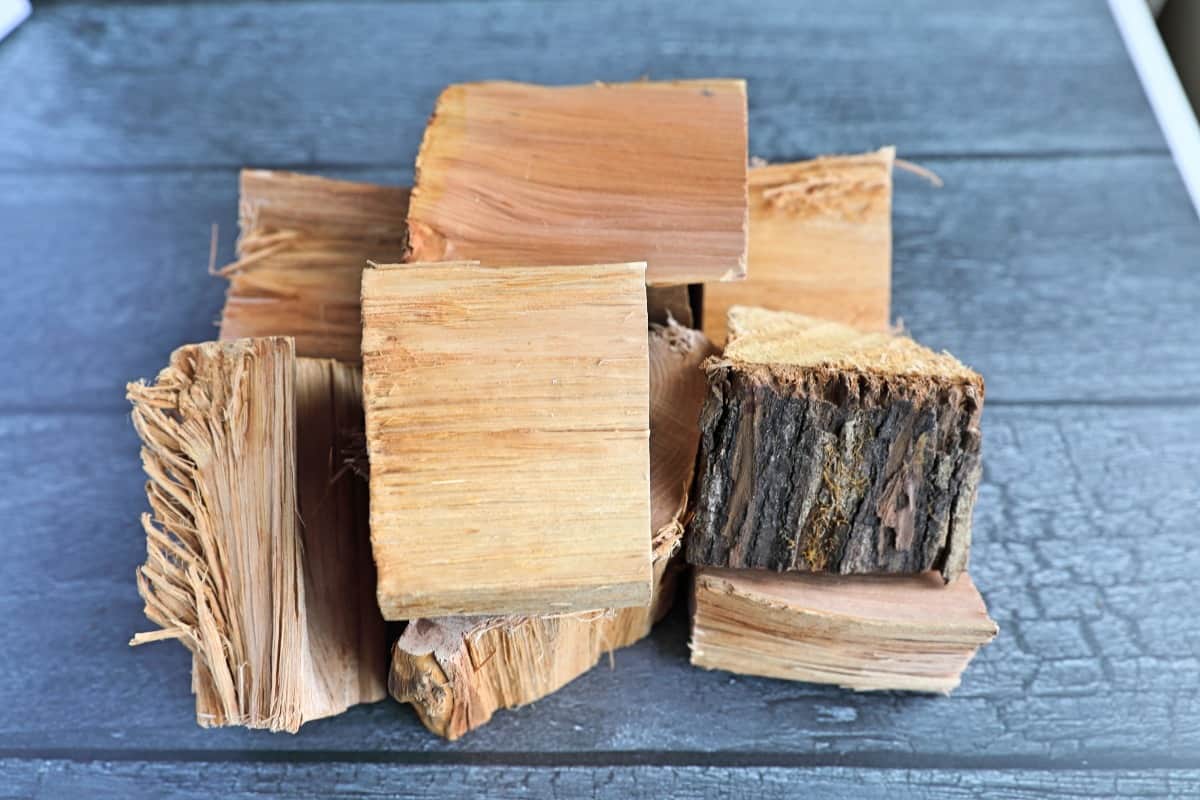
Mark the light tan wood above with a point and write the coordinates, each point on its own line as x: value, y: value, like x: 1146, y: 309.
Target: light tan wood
x: 257, y: 549
x: 785, y: 339
x: 303, y: 245
x: 457, y: 671
x: 507, y: 433
x: 518, y: 174
x: 860, y: 632
x: 820, y: 242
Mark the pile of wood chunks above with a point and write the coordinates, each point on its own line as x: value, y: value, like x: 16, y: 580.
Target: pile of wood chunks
x: 593, y: 360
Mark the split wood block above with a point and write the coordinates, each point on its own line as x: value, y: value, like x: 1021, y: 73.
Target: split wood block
x: 507, y: 433
x: 258, y: 554
x: 457, y: 671
x: 860, y: 632
x: 516, y: 174
x: 828, y: 449
x: 303, y: 245
x: 820, y: 243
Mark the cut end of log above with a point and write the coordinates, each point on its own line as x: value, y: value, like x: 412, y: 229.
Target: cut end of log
x: 827, y: 449
x: 517, y: 174
x: 782, y: 339
x: 864, y: 633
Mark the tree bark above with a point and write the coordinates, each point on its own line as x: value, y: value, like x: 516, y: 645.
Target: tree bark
x: 823, y: 470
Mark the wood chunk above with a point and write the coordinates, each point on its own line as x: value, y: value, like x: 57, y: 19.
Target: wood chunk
x: 827, y: 449
x: 516, y: 174
x: 859, y: 632
x: 302, y: 249
x: 507, y: 432
x: 257, y: 547
x: 820, y: 242
x: 457, y: 671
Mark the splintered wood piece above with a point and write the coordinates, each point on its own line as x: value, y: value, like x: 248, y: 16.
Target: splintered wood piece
x: 507, y: 432
x: 303, y: 245
x: 516, y: 174
x: 457, y: 671
x: 859, y: 632
x: 257, y: 552
x: 820, y: 242
x: 827, y: 449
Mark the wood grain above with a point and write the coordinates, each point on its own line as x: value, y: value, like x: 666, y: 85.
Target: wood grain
x: 456, y: 672
x: 1007, y: 80
x: 507, y: 428
x: 304, y: 243
x: 256, y: 552
x: 1088, y: 668
x: 820, y: 243
x: 1059, y: 261
x: 1035, y: 296
x: 518, y: 174
x: 863, y: 632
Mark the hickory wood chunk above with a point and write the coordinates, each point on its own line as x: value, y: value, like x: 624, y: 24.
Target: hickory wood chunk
x: 303, y: 245
x: 257, y: 549
x: 860, y: 632
x: 507, y: 433
x: 457, y: 671
x: 827, y: 449
x: 820, y: 242
x: 517, y: 174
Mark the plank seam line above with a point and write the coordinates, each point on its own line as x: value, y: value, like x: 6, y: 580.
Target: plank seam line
x: 1096, y: 762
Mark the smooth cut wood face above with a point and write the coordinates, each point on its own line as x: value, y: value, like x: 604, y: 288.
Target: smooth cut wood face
x: 513, y: 173
x: 820, y: 243
x: 507, y: 429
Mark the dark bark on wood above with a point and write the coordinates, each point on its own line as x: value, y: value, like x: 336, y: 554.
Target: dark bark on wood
x: 820, y: 471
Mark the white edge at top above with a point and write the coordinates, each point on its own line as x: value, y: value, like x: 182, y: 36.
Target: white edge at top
x: 1163, y: 89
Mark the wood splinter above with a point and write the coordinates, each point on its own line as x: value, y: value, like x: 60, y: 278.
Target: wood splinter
x: 457, y: 671
x: 257, y: 552
x: 827, y: 449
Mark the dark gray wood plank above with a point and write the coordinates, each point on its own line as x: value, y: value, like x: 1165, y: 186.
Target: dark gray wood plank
x: 1060, y: 278
x: 1084, y: 551
x: 339, y: 83
x: 50, y: 780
